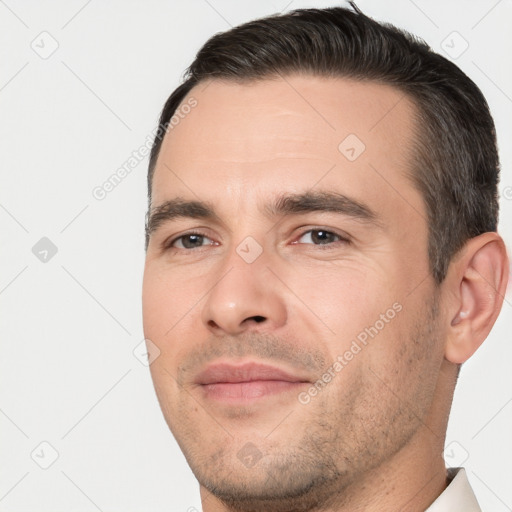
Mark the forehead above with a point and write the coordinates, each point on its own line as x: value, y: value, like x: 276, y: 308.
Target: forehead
x: 290, y: 133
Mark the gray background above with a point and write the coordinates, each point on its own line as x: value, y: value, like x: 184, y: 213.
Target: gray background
x: 71, y: 370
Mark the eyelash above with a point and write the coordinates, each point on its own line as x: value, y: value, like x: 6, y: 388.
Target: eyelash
x: 342, y: 239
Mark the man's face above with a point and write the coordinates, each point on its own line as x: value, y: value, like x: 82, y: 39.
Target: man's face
x: 310, y: 249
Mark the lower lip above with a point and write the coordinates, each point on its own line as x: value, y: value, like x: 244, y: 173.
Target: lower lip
x: 248, y: 391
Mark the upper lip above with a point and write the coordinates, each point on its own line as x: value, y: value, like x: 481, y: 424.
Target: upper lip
x: 246, y: 372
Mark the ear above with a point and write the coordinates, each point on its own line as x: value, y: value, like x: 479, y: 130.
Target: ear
x: 477, y: 279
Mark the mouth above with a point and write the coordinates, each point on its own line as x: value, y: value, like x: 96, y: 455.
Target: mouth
x: 248, y: 382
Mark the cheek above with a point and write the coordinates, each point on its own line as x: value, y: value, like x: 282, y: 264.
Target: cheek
x: 166, y: 299
x: 343, y: 298
x: 155, y: 303
x: 162, y: 308
x: 171, y: 311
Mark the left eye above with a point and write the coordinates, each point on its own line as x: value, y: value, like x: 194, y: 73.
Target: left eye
x: 191, y: 241
x: 319, y: 237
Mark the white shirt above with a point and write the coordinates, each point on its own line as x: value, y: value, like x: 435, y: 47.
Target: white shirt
x: 458, y: 496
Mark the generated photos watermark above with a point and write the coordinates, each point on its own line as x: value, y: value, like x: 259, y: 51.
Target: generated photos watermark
x: 357, y: 345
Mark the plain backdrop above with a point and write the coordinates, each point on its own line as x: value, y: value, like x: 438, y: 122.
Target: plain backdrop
x: 82, y: 84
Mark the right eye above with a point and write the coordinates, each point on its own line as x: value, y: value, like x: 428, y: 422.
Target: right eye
x: 191, y: 240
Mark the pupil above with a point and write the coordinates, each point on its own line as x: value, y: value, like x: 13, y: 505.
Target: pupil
x: 321, y: 237
x: 191, y: 241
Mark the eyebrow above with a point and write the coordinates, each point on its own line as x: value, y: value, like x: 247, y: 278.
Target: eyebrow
x: 320, y: 201
x: 283, y: 205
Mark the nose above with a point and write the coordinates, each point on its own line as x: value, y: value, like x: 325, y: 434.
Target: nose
x: 246, y: 296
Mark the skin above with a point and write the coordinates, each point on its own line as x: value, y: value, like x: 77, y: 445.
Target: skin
x: 372, y: 438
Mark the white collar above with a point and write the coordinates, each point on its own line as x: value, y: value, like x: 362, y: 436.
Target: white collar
x: 458, y: 496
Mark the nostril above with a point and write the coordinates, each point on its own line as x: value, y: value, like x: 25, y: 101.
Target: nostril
x: 258, y: 318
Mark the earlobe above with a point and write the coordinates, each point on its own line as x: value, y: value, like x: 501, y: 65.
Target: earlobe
x: 480, y: 277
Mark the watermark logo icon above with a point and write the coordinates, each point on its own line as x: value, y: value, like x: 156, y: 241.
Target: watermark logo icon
x: 455, y: 454
x: 45, y: 45
x: 249, y: 249
x: 249, y: 455
x: 507, y: 193
x: 351, y: 147
x: 454, y: 45
x: 44, y: 250
x: 146, y: 352
x: 44, y: 455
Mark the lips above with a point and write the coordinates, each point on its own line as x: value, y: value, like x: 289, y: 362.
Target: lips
x: 248, y: 372
x: 241, y: 384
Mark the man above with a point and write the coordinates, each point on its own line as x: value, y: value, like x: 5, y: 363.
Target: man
x: 322, y: 256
